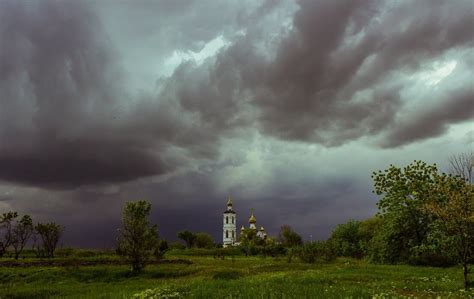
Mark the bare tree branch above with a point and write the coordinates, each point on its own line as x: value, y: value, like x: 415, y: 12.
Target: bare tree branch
x: 463, y: 165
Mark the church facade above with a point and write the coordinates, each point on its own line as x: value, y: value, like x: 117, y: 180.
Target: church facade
x: 230, y: 237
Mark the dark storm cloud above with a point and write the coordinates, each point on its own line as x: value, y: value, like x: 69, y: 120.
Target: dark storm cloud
x: 337, y: 73
x: 341, y: 71
x: 60, y: 97
x: 338, y: 49
x: 66, y: 117
x: 434, y: 121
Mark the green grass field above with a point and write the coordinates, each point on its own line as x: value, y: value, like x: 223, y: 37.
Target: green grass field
x: 238, y: 277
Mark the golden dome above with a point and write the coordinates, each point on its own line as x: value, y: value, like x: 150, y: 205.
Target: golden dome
x: 252, y: 219
x: 262, y: 229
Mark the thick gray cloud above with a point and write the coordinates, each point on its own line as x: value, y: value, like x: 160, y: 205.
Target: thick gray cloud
x: 60, y: 93
x: 289, y: 111
x: 338, y: 75
x: 67, y: 118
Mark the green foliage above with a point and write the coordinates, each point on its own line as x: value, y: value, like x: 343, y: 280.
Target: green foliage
x: 251, y: 244
x: 204, y: 240
x: 138, y: 239
x: 368, y: 229
x: 316, y: 251
x: 188, y: 237
x: 274, y: 249
x: 176, y: 245
x: 288, y: 237
x: 249, y: 237
x: 347, y: 239
x: 49, y: 234
x: 437, y: 250
x: 405, y: 192
x: 428, y: 217
x: 452, y: 203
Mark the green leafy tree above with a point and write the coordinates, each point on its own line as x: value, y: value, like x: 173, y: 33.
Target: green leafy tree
x: 22, y: 231
x: 347, y: 239
x: 406, y: 223
x: 188, y: 237
x: 368, y: 229
x: 137, y: 239
x: 204, y: 240
x: 6, y: 231
x: 288, y: 237
x: 49, y: 233
x: 452, y: 202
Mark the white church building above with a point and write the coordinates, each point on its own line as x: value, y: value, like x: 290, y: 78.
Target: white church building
x: 229, y: 233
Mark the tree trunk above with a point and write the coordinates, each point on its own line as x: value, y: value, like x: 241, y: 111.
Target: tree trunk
x: 466, y: 280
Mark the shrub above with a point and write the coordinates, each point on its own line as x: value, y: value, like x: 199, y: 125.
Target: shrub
x: 288, y: 237
x: 204, y: 240
x: 347, y: 239
x: 176, y: 245
x: 316, y: 251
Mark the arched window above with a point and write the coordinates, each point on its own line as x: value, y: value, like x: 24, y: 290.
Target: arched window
x: 233, y: 233
x: 226, y: 219
x: 227, y: 234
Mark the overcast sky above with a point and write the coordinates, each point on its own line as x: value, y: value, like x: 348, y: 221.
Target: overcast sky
x: 287, y: 106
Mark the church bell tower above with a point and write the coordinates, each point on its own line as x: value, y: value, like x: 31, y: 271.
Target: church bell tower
x: 230, y: 223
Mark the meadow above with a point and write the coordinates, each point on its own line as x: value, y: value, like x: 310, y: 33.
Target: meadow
x: 88, y: 275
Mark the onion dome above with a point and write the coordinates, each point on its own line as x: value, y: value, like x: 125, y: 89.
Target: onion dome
x: 242, y: 227
x: 229, y: 201
x: 252, y: 219
x: 262, y: 229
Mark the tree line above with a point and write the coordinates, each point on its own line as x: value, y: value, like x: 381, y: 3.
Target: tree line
x: 16, y: 232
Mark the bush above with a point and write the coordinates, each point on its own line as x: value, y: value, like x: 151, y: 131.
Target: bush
x: 204, y: 240
x: 274, y: 250
x: 347, y: 239
x: 288, y: 237
x: 316, y: 251
x: 176, y: 245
